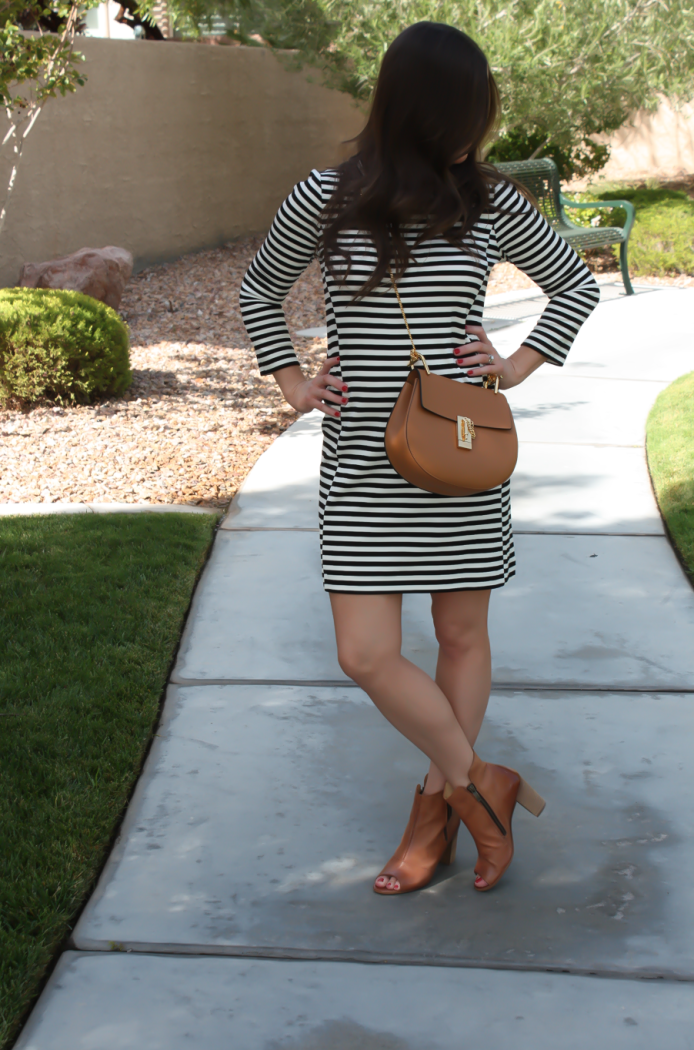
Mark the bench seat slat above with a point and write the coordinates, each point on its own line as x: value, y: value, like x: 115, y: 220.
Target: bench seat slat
x: 594, y: 238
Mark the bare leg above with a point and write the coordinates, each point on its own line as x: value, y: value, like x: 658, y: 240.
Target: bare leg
x: 369, y: 639
x: 464, y: 668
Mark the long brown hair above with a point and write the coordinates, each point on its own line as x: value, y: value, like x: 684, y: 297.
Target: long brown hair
x: 435, y: 99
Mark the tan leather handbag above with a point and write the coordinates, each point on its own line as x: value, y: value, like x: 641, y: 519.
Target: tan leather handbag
x: 455, y: 439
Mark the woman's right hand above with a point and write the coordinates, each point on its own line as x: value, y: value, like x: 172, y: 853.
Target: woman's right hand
x: 306, y: 394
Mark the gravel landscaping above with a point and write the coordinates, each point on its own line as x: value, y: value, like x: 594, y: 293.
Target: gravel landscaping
x: 197, y: 415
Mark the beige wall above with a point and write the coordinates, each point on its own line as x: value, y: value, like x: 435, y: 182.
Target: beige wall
x: 653, y: 145
x: 168, y: 148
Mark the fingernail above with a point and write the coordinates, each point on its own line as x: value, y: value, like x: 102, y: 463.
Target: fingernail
x: 344, y: 400
x: 458, y: 350
x: 344, y: 387
x: 470, y: 373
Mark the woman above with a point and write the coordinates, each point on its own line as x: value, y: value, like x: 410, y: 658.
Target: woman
x: 415, y: 200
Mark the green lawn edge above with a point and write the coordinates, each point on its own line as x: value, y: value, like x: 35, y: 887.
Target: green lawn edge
x: 91, y: 613
x: 662, y: 240
x: 670, y: 453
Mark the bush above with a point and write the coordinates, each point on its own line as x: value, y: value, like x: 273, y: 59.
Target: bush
x: 60, y: 345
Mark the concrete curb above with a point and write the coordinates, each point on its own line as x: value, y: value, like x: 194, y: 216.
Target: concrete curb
x: 23, y: 510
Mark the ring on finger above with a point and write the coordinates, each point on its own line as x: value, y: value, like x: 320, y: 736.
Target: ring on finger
x: 490, y: 360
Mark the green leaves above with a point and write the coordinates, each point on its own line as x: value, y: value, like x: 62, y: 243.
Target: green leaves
x: 60, y: 344
x: 567, y: 69
x: 45, y: 63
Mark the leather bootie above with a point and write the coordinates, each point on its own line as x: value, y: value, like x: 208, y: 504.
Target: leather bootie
x: 486, y: 807
x: 429, y: 840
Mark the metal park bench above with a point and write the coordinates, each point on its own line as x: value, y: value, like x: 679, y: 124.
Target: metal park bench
x: 541, y: 178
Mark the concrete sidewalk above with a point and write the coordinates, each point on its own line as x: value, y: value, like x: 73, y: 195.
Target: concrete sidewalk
x: 236, y: 909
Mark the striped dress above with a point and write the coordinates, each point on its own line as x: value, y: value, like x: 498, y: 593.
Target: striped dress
x: 379, y: 533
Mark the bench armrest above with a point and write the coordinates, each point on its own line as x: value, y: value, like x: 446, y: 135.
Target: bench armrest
x: 627, y: 205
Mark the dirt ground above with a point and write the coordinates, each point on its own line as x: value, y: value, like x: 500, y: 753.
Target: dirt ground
x: 197, y: 415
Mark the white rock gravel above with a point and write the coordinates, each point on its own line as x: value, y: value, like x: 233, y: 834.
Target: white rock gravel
x: 197, y: 416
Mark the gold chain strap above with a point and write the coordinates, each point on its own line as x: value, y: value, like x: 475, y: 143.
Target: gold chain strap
x: 415, y: 355
x: 414, y: 352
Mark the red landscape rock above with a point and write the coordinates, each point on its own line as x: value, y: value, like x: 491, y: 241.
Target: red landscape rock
x: 99, y: 272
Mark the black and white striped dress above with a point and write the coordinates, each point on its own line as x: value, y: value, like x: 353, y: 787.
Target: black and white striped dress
x: 378, y: 532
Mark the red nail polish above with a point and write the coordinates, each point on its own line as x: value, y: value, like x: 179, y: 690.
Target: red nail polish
x: 457, y: 350
x: 470, y: 373
x: 344, y: 387
x: 344, y: 400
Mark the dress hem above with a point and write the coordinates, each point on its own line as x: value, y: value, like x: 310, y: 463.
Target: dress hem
x: 421, y: 590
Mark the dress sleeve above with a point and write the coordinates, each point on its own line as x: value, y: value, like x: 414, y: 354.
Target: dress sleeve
x: 476, y: 311
x: 526, y: 239
x: 284, y: 255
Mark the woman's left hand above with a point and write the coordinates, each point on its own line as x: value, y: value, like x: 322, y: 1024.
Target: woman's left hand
x: 482, y: 359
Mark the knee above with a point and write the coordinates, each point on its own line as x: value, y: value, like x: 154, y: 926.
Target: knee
x: 361, y: 663
x: 458, y: 640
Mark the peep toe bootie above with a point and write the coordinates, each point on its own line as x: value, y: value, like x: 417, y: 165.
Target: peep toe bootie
x: 486, y: 808
x: 429, y: 840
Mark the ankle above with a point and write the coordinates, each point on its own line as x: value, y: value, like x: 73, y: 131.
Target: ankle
x: 434, y: 781
x: 460, y: 777
x: 453, y: 785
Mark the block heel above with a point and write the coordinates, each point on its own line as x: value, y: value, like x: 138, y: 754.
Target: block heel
x: 530, y: 799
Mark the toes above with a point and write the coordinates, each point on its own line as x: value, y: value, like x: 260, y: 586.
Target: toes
x: 480, y: 883
x: 386, y: 882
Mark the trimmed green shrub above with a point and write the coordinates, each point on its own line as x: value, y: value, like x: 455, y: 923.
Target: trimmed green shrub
x: 60, y: 345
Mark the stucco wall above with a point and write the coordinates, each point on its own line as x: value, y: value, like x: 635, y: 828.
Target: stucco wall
x: 653, y: 145
x: 168, y: 148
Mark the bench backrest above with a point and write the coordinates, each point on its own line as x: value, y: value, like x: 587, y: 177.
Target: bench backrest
x: 541, y: 177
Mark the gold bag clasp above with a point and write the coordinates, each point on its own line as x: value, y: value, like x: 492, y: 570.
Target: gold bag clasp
x: 466, y: 432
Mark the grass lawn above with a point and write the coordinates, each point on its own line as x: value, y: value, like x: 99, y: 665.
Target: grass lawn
x: 662, y: 240
x: 91, y: 610
x: 670, y: 446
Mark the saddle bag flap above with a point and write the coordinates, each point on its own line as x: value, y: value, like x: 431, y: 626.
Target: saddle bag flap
x: 450, y: 399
